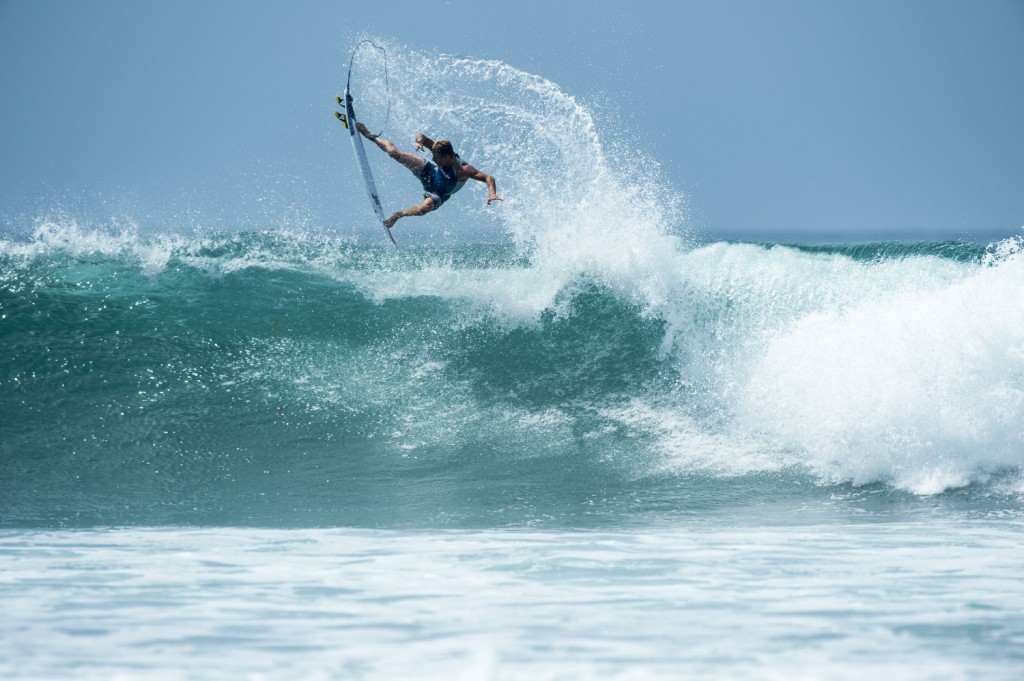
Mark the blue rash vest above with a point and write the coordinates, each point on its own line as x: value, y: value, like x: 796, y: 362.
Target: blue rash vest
x: 440, y: 183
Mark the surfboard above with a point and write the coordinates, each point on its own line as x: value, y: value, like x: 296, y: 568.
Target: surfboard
x: 348, y: 120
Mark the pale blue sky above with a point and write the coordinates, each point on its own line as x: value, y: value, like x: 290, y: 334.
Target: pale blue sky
x: 824, y: 119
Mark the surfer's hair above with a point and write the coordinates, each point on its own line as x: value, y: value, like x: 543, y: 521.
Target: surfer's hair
x: 443, y: 148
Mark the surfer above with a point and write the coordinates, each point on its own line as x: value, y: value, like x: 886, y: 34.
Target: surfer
x: 441, y: 177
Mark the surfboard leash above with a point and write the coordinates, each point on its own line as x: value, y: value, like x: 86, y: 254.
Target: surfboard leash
x: 387, y: 80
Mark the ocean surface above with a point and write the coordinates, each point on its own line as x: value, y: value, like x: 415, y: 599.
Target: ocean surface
x: 596, y: 446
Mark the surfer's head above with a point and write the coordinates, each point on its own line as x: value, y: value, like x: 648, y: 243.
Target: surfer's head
x: 443, y: 152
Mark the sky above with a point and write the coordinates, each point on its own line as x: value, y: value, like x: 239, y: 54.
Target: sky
x: 868, y: 119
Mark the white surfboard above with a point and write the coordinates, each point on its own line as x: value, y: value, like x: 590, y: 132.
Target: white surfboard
x: 348, y: 120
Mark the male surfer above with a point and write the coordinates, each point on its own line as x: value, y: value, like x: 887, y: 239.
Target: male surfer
x: 441, y: 177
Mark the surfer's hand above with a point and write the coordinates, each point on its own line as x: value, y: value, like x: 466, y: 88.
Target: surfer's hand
x: 493, y: 197
x: 366, y: 133
x: 420, y: 140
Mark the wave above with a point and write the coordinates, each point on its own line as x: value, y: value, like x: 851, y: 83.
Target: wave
x: 596, y: 350
x: 903, y: 370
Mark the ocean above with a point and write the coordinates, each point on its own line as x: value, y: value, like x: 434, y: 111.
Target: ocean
x: 592, y: 445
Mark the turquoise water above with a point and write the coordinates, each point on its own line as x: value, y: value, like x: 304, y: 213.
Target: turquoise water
x: 283, y: 381
x: 590, y: 445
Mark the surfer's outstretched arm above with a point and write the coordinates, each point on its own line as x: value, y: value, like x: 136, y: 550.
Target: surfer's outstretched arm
x: 410, y: 161
x: 470, y: 173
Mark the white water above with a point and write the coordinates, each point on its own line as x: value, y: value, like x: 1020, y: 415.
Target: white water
x: 886, y: 600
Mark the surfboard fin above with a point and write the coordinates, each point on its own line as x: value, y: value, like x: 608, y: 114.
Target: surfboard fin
x: 341, y: 117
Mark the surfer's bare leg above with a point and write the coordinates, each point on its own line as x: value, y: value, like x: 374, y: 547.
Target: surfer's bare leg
x: 420, y: 209
x: 410, y: 161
